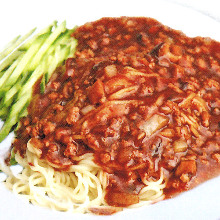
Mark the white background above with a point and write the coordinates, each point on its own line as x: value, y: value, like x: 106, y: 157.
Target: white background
x: 194, y: 17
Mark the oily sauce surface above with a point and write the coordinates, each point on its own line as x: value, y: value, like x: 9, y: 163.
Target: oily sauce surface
x: 144, y: 98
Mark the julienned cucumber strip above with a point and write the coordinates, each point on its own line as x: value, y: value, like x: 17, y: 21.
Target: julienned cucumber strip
x: 60, y: 54
x: 20, y: 64
x: 25, y: 46
x: 6, y: 48
x: 43, y: 84
x: 33, y: 42
x: 52, y: 62
x: 16, y: 43
x: 8, y: 61
x: 24, y: 61
x: 63, y: 53
x: 8, y: 72
x: 38, y: 56
x: 13, y: 117
x: 39, y: 69
x: 8, y: 98
x: 56, y: 51
x: 3, y: 113
x: 32, y: 80
x: 47, y: 44
x: 12, y: 159
x: 4, y: 53
x: 28, y: 43
x: 47, y: 41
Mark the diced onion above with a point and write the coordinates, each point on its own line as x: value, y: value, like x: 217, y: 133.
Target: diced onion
x: 110, y: 71
x: 87, y: 109
x: 155, y: 123
x: 180, y: 146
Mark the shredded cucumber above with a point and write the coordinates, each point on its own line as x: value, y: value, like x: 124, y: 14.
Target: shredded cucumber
x: 15, y: 43
x: 23, y: 62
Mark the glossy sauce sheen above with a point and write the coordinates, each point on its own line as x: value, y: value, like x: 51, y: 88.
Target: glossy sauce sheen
x: 129, y: 74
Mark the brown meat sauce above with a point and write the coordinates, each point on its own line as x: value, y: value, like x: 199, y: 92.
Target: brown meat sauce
x: 141, y: 97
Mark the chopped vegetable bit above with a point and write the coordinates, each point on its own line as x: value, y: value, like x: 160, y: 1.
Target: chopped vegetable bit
x: 12, y: 159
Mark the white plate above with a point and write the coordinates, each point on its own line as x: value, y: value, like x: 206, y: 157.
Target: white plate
x: 17, y: 17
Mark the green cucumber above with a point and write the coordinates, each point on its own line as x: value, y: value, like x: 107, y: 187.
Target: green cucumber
x: 9, y: 60
x: 24, y: 62
x: 15, y: 43
x: 8, y: 72
x: 14, y: 114
x: 37, y: 57
x: 45, y: 30
x: 4, y: 53
x: 61, y: 28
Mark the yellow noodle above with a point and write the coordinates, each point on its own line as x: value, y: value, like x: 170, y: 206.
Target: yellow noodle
x: 76, y: 190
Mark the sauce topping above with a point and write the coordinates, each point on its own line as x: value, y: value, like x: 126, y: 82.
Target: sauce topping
x: 140, y: 96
